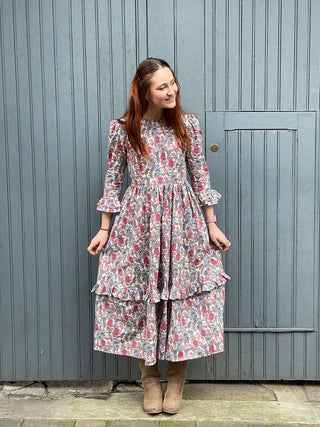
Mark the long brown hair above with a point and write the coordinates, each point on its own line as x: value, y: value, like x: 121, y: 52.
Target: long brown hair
x: 137, y: 106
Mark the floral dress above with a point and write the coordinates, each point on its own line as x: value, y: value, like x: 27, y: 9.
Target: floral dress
x: 160, y: 286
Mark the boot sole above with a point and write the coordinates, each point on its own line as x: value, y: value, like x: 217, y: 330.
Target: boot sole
x: 153, y: 412
x: 171, y: 412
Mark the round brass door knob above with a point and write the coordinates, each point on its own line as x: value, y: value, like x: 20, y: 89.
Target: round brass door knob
x: 214, y: 147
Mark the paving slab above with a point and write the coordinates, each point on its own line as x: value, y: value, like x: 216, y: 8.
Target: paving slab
x: 134, y: 423
x: 316, y: 410
x: 128, y: 388
x: 70, y: 389
x: 92, y: 423
x: 102, y: 404
x: 228, y: 391
x: 287, y: 392
x: 129, y: 407
x: 8, y: 422
x: 173, y: 423
x: 49, y: 423
x: 21, y: 389
x: 313, y: 392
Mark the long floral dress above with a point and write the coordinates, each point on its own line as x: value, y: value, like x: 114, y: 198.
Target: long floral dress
x: 161, y: 285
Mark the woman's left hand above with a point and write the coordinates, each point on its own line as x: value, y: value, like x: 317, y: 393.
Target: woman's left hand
x: 218, y: 237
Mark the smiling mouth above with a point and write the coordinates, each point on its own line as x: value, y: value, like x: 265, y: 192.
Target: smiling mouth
x: 170, y: 99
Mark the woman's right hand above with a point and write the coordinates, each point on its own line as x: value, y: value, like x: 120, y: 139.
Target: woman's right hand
x: 97, y: 243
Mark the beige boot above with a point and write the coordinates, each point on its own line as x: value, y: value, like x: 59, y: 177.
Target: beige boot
x: 176, y: 374
x: 150, y: 376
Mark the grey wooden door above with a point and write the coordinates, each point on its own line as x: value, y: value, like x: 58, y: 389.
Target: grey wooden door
x: 266, y: 167
x: 250, y: 70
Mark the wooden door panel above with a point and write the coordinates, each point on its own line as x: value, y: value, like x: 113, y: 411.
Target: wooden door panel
x: 265, y: 168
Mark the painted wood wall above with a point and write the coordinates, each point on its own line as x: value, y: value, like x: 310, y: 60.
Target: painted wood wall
x: 66, y: 67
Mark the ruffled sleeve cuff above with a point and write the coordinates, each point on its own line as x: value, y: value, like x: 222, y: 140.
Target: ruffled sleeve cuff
x: 208, y: 197
x: 110, y: 203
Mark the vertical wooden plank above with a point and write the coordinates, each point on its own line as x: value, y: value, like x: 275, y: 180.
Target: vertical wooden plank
x: 258, y: 356
x: 302, y: 45
x: 259, y: 55
x: 287, y: 70
x: 110, y: 365
x: 234, y: 204
x: 260, y: 206
x: 130, y: 26
x: 123, y: 368
x: 298, y: 350
x: 90, y: 88
x: 40, y: 317
x: 200, y: 368
x: 233, y: 357
x: 220, y: 362
x: 94, y: 360
x: 306, y: 181
x: 94, y: 177
x: 245, y: 356
x: 6, y: 312
x: 93, y: 100
x: 271, y: 228
x: 209, y: 371
x: 135, y: 371
x: 271, y: 362
x: 22, y: 120
x: 273, y: 55
x: 161, y: 17
x: 313, y: 103
x: 82, y: 221
x: 233, y: 95
x: 314, y: 340
x: 67, y: 189
x: 37, y: 40
x: 87, y: 128
x: 104, y: 86
x: 4, y: 255
x: 15, y: 301
x: 286, y: 234
x: 285, y: 356
x: 30, y: 171
x: 209, y: 47
x: 310, y: 349
x: 229, y: 181
x: 246, y: 86
x: 190, y: 14
x: 246, y: 214
x: 118, y: 57
x: 141, y: 29
x: 53, y: 131
x: 220, y: 63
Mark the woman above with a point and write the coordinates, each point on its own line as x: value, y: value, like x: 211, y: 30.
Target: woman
x: 160, y: 285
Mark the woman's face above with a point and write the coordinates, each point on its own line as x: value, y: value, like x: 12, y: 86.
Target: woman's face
x: 162, y: 91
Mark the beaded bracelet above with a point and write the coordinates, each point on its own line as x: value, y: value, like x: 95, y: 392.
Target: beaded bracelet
x: 210, y: 220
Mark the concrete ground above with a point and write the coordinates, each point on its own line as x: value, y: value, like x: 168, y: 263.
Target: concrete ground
x: 104, y: 403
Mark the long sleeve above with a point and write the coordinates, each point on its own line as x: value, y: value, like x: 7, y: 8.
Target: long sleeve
x: 117, y: 161
x: 197, y: 165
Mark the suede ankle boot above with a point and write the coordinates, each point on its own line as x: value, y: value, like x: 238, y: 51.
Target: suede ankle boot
x: 150, y: 376
x: 176, y: 375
